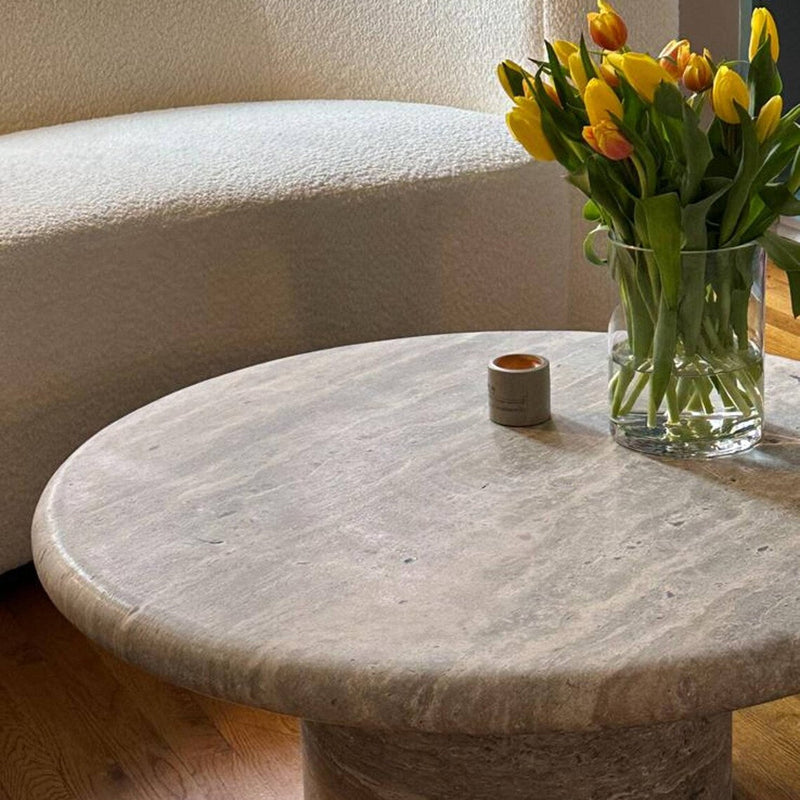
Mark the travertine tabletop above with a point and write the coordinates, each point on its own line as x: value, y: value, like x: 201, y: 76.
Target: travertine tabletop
x: 346, y: 537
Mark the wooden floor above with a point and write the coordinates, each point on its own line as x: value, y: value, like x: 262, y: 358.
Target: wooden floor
x: 77, y: 724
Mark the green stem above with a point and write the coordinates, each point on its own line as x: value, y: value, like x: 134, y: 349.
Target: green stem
x: 641, y: 381
x: 739, y: 400
x: 673, y: 409
x: 640, y: 171
x: 620, y: 384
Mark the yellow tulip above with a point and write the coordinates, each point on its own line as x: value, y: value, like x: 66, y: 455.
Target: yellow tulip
x: 607, y: 28
x: 762, y: 25
x: 578, y: 73
x: 641, y: 71
x: 564, y: 50
x: 729, y: 88
x: 606, y: 138
x: 601, y: 102
x: 503, y: 77
x: 525, y: 124
x: 698, y: 75
x: 769, y: 117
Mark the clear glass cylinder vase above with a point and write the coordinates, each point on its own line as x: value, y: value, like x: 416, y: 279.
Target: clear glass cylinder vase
x: 686, y: 376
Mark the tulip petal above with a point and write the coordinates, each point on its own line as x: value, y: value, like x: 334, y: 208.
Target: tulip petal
x: 729, y: 88
x: 526, y: 128
x: 601, y: 102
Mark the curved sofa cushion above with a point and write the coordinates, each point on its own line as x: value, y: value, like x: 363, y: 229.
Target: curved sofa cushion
x: 212, y: 158
x: 143, y: 253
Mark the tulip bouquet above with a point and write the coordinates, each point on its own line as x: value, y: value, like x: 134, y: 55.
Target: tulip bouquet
x: 679, y: 157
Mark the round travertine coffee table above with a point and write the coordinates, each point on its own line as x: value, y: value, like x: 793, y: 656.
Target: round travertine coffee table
x: 459, y: 611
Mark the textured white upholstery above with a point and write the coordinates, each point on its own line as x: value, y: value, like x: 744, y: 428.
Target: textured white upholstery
x: 143, y: 252
x: 77, y: 59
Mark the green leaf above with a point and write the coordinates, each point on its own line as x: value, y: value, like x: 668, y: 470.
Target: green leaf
x: 748, y: 167
x: 566, y: 123
x: 775, y: 163
x: 716, y: 136
x: 757, y: 224
x: 661, y: 215
x: 780, y: 200
x: 673, y: 132
x: 588, y: 65
x: 785, y: 253
x: 561, y: 149
x: 763, y: 76
x: 633, y: 105
x: 698, y: 154
x: 580, y: 179
x: 565, y: 92
x: 636, y: 298
x: 793, y: 183
x: 721, y: 166
x: 740, y: 301
x: 668, y: 100
x: 605, y: 191
x: 693, y: 299
x: 589, y: 251
x: 640, y: 151
x: 788, y: 121
x: 694, y: 217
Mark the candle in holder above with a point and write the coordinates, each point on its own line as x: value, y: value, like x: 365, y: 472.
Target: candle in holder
x: 519, y: 389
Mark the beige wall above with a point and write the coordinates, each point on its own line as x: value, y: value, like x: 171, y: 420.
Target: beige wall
x: 713, y: 24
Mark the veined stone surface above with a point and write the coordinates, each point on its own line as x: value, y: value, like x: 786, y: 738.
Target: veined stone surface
x: 345, y: 536
x: 687, y: 760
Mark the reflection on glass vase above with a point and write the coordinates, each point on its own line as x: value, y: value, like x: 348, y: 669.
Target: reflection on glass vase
x: 687, y: 378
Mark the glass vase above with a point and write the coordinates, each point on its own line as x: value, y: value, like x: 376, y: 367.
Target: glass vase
x: 686, y: 379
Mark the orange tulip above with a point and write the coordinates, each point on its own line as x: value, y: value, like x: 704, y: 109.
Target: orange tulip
x: 608, y: 74
x: 607, y: 139
x: 607, y: 28
x: 551, y: 91
x: 674, y: 57
x: 698, y: 75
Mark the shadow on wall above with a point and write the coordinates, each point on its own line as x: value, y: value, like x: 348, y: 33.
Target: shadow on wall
x: 713, y: 24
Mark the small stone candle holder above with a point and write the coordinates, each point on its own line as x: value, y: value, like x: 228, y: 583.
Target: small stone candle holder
x: 519, y: 389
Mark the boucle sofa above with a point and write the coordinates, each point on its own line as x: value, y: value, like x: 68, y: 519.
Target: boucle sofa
x: 173, y: 207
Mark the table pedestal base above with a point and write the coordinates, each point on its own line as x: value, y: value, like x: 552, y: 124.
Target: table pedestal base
x: 676, y: 761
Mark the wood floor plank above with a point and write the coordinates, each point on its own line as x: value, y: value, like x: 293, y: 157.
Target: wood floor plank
x: 106, y: 708
x: 30, y: 764
x: 180, y: 719
x: 266, y: 741
x: 88, y: 767
x: 760, y: 733
x: 782, y: 330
